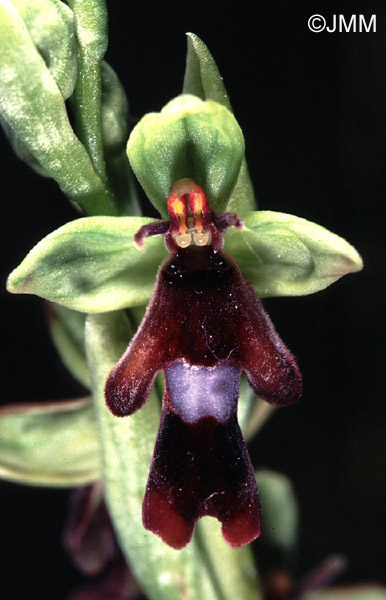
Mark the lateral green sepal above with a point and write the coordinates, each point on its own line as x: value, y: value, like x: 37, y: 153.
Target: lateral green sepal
x: 91, y: 265
x: 283, y: 255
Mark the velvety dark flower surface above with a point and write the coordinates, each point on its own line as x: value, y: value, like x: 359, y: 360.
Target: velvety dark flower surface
x: 204, y: 326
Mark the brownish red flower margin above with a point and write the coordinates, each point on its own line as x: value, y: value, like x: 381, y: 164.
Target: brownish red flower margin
x: 203, y: 327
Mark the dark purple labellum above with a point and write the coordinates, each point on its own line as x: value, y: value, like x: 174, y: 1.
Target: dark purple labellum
x: 203, y: 327
x: 201, y: 469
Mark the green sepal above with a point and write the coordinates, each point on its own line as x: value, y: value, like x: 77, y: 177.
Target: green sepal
x: 203, y: 79
x: 283, y: 255
x: 127, y: 446
x: 67, y: 333
x: 50, y: 444
x: 33, y: 106
x: 188, y: 138
x: 91, y: 265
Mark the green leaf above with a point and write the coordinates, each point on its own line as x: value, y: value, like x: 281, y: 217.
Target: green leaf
x: 50, y: 24
x: 33, y: 106
x: 49, y: 444
x: 203, y: 79
x: 283, y: 255
x: 67, y: 332
x: 91, y: 34
x: 188, y: 138
x: 198, y: 571
x: 91, y: 265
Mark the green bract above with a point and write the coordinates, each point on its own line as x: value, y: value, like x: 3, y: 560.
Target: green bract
x: 67, y: 333
x: 280, y: 524
x: 114, y: 111
x: 53, y: 444
x: 188, y: 138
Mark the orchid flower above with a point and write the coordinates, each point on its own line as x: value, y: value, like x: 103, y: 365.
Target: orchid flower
x: 204, y: 324
x: 204, y: 327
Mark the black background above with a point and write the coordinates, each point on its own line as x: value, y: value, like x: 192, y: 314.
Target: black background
x: 312, y: 108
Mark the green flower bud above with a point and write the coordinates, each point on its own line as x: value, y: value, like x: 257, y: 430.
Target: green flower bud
x: 50, y: 24
x: 188, y: 138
